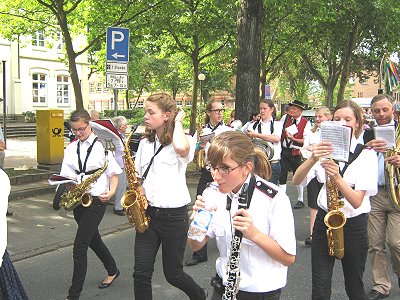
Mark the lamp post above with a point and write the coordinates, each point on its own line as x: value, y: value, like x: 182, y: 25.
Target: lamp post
x: 201, y: 78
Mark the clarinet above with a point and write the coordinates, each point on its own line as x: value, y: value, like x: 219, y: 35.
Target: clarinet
x: 233, y: 268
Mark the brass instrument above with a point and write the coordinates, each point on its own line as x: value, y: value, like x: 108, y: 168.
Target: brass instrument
x: 392, y: 174
x: 334, y: 220
x: 265, y: 146
x: 77, y: 196
x: 133, y: 201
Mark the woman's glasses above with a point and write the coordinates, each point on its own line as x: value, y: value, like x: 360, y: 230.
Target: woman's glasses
x: 222, y: 170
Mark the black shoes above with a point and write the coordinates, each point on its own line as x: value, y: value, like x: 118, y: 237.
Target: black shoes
x: 372, y: 295
x: 119, y: 212
x: 308, y: 241
x: 298, y: 205
x: 194, y: 261
x: 205, y: 294
x: 104, y: 285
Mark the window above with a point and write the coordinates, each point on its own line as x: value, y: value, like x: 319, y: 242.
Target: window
x: 63, y: 89
x: 105, y: 89
x: 38, y: 38
x: 223, y: 102
x: 39, y: 88
x: 99, y: 88
x: 363, y: 80
x: 140, y: 104
x: 61, y: 42
x: 91, y: 88
x: 188, y: 103
x: 360, y: 95
x: 179, y: 103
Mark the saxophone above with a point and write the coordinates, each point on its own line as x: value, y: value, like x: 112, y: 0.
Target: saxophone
x: 76, y: 196
x: 133, y: 201
x: 392, y: 174
x: 334, y: 220
x: 233, y: 269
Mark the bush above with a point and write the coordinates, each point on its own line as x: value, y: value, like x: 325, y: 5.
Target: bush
x: 30, y: 116
x: 134, y: 116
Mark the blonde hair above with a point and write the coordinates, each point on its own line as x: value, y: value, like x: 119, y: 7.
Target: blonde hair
x: 167, y: 104
x: 326, y: 112
x: 357, y: 111
x: 239, y: 147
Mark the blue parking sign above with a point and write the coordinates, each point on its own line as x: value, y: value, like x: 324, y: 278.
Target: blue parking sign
x: 117, y: 44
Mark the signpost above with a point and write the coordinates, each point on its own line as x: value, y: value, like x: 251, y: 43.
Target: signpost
x: 117, y: 52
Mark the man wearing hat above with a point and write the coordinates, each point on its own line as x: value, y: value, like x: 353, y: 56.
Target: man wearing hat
x: 294, y: 128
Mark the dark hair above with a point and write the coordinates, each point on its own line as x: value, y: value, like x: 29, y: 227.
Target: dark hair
x: 80, y: 115
x: 167, y: 104
x: 358, y: 113
x: 381, y: 97
x: 254, y: 114
x: 238, y: 147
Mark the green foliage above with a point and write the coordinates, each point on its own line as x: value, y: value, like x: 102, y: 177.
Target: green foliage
x: 30, y: 116
x: 134, y: 116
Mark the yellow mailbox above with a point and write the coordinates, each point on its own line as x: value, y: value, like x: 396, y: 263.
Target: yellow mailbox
x: 50, y: 136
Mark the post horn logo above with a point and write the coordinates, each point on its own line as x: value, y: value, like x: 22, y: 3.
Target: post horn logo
x: 56, y: 132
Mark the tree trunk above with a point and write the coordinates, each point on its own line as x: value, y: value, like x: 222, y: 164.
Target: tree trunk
x: 193, y: 112
x: 250, y: 23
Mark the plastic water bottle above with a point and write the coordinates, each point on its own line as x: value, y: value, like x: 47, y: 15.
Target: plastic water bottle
x: 202, y: 219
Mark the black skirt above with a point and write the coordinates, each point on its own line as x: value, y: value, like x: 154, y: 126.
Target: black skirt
x: 10, y: 285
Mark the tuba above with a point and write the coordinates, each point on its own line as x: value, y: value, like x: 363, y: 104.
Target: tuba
x: 133, y: 201
x: 334, y: 220
x: 77, y: 196
x: 265, y: 146
x: 392, y: 174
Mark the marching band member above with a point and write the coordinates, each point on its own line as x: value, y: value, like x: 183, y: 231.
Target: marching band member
x: 268, y: 245
x: 290, y: 157
x: 313, y: 187
x: 214, y: 124
x: 356, y: 189
x: 10, y: 284
x: 161, y: 160
x: 384, y: 218
x: 81, y: 159
x: 269, y: 131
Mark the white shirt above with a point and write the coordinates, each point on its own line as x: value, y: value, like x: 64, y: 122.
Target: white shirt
x: 165, y: 184
x: 5, y: 192
x: 361, y: 174
x: 272, y: 216
x: 95, y: 161
x: 266, y: 129
x: 220, y: 129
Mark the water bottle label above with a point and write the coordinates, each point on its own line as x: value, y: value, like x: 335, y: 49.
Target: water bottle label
x: 202, y: 219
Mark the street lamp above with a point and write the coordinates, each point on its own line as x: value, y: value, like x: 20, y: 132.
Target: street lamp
x: 201, y: 78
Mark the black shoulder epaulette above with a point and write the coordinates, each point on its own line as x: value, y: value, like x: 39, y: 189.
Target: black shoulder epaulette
x: 266, y: 189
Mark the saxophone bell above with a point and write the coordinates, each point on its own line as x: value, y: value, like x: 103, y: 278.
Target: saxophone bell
x: 335, y: 221
x: 86, y: 200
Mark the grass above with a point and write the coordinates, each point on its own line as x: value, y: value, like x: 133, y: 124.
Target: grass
x: 13, y: 173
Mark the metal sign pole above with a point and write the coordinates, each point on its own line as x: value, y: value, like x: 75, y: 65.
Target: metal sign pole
x: 4, y: 101
x: 115, y: 102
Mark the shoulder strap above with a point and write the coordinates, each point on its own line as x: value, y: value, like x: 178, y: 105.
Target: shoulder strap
x: 352, y: 157
x: 82, y: 169
x: 151, y: 161
x: 250, y: 192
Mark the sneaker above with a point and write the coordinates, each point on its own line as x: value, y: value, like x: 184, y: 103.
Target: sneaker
x: 298, y: 205
x: 205, y: 294
x: 119, y: 212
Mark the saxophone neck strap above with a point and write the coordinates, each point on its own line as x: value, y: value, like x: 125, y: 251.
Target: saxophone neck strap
x: 250, y: 192
x: 352, y: 157
x: 151, y: 162
x: 82, y: 169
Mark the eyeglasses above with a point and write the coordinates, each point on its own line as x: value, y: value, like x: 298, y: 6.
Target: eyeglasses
x: 218, y: 111
x: 222, y: 170
x: 80, y: 130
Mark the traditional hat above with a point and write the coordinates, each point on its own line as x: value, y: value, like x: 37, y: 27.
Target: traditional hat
x: 298, y: 104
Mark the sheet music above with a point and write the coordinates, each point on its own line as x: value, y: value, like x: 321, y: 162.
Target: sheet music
x: 386, y: 133
x: 292, y: 129
x: 57, y: 179
x: 340, y: 137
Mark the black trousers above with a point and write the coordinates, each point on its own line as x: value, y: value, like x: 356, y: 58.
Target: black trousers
x: 353, y: 262
x: 168, y: 228
x: 87, y: 235
x: 205, y: 178
x: 288, y: 162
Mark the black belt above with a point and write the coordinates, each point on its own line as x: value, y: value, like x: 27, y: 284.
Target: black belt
x: 161, y: 210
x: 216, y: 282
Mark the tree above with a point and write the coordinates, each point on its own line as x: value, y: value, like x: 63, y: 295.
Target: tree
x: 72, y: 18
x: 198, y: 30
x: 250, y: 22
